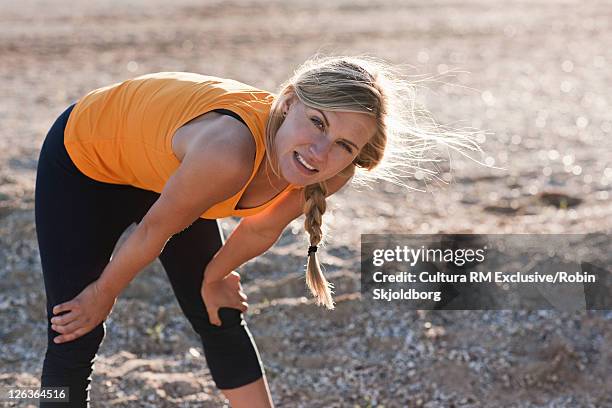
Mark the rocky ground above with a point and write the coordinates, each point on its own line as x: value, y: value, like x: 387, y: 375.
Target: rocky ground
x: 534, y: 75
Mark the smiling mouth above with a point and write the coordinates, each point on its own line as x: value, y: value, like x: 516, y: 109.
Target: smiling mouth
x: 304, y: 163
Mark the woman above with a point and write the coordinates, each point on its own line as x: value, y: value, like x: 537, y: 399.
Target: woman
x: 173, y: 152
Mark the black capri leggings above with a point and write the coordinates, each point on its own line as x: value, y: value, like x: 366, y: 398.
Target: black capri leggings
x: 78, y: 223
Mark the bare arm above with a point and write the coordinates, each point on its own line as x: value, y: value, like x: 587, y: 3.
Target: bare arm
x: 247, y: 241
x: 202, y: 180
x: 254, y: 235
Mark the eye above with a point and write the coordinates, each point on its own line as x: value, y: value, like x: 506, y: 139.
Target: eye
x: 346, y: 146
x: 317, y: 122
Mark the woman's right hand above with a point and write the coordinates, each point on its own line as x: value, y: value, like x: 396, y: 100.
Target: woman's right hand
x: 226, y: 292
x: 86, y: 311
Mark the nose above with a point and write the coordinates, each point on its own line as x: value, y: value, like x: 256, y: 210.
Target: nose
x: 319, y: 150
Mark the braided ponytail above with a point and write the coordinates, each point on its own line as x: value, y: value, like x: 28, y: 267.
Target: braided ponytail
x: 314, y: 208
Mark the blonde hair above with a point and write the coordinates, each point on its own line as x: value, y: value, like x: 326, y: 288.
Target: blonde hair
x: 361, y: 84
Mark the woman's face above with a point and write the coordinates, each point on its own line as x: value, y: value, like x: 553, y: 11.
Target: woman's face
x: 314, y: 145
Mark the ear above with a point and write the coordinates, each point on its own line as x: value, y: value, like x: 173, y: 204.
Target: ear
x: 289, y: 99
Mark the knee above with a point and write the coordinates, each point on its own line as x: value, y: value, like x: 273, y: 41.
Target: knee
x: 232, y: 356
x: 232, y: 332
x: 230, y: 318
x: 77, y: 353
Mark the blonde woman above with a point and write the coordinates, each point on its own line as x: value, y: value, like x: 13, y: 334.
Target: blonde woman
x: 174, y: 152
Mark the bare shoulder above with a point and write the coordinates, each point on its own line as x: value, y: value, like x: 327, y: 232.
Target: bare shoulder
x: 222, y: 155
x: 227, y: 141
x: 216, y: 165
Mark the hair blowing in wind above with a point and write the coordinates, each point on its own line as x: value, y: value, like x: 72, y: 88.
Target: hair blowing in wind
x: 405, y: 134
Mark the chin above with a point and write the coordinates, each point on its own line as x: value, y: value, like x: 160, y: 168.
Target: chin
x: 306, y: 182
x: 296, y: 179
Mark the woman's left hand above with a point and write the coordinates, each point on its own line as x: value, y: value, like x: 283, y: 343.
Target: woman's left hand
x: 86, y: 311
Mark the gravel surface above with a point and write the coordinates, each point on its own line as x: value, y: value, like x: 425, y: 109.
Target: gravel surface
x: 535, y: 75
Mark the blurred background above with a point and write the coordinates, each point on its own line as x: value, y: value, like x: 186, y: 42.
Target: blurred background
x: 533, y: 75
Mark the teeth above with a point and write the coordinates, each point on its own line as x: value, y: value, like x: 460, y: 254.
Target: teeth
x: 301, y: 160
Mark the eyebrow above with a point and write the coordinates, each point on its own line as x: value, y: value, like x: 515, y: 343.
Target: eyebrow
x: 327, y: 124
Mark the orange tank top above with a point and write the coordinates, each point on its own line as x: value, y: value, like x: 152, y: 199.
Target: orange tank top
x: 122, y: 133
